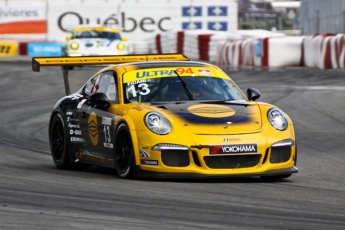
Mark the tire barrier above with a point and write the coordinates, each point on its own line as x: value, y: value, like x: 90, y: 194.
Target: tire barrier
x: 324, y: 51
x: 243, y: 48
x: 196, y: 44
x: 261, y: 52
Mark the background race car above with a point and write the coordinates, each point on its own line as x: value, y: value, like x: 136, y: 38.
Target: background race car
x: 96, y: 40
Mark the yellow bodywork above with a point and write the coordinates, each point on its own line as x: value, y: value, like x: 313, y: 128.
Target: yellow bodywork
x: 187, y: 134
x: 197, y: 139
x: 96, y: 28
x: 143, y: 139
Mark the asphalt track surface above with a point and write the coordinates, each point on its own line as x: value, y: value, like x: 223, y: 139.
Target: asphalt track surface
x: 35, y: 195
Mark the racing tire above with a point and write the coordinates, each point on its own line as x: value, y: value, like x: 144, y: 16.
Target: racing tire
x: 58, y: 143
x: 276, y: 177
x: 123, y: 152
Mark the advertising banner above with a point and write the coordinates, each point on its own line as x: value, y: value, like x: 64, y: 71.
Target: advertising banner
x: 8, y: 48
x: 141, y: 19
x: 42, y: 49
x: 23, y: 20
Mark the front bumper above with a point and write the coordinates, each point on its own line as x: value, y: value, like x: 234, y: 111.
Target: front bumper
x: 180, y: 175
x: 274, y: 155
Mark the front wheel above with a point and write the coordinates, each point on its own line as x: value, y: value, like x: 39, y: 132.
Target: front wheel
x: 123, y: 152
x: 58, y: 142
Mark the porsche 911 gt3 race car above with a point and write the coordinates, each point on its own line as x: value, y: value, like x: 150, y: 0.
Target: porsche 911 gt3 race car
x: 96, y: 40
x: 166, y: 116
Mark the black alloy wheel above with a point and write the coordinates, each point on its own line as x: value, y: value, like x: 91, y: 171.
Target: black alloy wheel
x: 123, y: 152
x: 58, y: 143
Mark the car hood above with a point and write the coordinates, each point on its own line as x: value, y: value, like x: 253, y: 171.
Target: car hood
x: 94, y: 42
x: 212, y: 117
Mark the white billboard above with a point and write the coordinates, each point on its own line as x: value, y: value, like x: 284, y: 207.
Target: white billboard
x: 141, y: 19
x: 23, y: 20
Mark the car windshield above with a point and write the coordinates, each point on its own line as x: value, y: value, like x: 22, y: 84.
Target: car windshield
x: 96, y: 34
x: 171, y: 89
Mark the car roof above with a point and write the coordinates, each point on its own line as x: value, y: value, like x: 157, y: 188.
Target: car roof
x: 97, y: 28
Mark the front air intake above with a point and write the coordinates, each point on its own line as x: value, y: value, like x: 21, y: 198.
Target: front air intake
x: 280, y: 154
x: 232, y: 161
x: 175, y: 158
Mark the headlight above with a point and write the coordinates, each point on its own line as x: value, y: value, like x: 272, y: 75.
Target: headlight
x: 74, y: 45
x: 120, y: 46
x: 157, y: 123
x: 165, y: 146
x: 277, y: 118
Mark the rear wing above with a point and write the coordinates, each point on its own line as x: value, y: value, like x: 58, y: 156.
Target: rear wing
x: 65, y: 62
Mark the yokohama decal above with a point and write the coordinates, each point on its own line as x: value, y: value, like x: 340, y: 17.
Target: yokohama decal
x: 231, y: 149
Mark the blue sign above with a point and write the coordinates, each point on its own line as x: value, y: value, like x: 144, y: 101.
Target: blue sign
x: 191, y: 25
x: 217, y: 11
x: 44, y: 49
x: 259, y: 49
x: 188, y: 11
x: 220, y: 26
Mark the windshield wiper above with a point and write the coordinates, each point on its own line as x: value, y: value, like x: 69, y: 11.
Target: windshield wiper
x: 189, y: 94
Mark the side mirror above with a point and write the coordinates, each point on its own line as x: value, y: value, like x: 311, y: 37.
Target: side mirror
x: 99, y: 100
x: 124, y: 39
x: 253, y: 94
x: 68, y: 37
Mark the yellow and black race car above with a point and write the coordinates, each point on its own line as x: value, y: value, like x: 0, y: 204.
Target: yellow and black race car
x: 166, y: 116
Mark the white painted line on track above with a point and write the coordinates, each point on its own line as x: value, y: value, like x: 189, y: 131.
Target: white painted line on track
x: 331, y: 87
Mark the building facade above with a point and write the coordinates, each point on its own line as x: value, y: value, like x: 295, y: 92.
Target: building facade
x: 322, y: 16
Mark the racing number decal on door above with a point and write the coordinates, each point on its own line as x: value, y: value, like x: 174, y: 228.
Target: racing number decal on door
x: 106, y: 130
x: 4, y: 49
x: 107, y: 138
x: 106, y: 122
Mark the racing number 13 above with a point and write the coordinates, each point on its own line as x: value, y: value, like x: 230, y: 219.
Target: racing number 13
x: 144, y: 89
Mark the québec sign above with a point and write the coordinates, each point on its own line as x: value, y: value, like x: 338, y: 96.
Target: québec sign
x: 140, y: 19
x: 128, y: 24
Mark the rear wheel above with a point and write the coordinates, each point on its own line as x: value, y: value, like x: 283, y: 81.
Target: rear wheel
x: 58, y: 143
x: 276, y: 177
x: 123, y: 152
